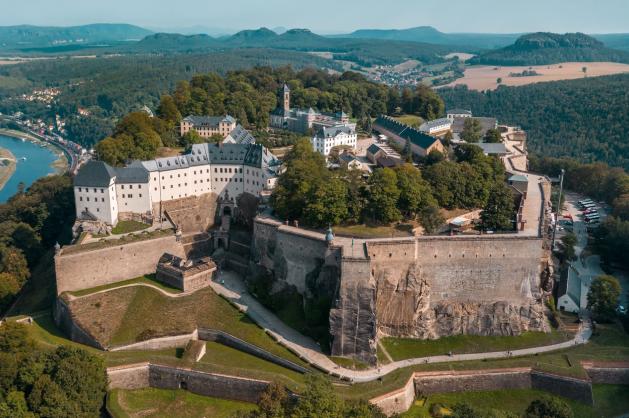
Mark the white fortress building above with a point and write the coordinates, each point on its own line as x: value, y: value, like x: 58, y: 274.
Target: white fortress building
x: 329, y: 137
x: 436, y: 126
x: 105, y: 193
x: 207, y: 126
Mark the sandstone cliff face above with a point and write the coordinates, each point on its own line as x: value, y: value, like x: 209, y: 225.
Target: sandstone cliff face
x: 403, y: 309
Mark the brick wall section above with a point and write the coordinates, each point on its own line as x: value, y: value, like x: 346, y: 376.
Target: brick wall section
x: 571, y: 388
x: 609, y: 375
x: 92, y: 268
x: 207, y: 384
x: 448, y: 382
x: 398, y: 401
x: 132, y: 376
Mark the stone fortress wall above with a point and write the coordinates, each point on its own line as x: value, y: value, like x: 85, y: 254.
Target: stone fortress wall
x: 78, y: 269
x: 422, y: 287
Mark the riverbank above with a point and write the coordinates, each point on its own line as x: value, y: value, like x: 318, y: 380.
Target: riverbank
x: 60, y: 165
x: 7, y: 166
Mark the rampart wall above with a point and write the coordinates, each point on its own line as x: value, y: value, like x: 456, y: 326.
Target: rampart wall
x: 422, y: 287
x: 83, y: 269
x: 143, y: 375
x: 428, y: 383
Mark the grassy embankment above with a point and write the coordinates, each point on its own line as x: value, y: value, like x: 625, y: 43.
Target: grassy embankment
x: 608, y: 399
x: 405, y: 348
x: 7, y: 166
x: 151, y: 402
x: 124, y: 227
x: 375, y: 231
x: 410, y: 120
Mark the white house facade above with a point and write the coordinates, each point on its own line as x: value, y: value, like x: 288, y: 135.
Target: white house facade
x: 103, y: 192
x: 329, y: 137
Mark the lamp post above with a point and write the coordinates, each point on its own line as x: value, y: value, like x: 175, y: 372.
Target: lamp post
x: 552, y: 244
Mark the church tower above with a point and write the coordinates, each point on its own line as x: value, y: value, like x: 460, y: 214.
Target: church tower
x: 286, y: 99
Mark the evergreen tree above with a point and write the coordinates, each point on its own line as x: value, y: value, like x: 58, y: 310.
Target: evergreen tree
x: 603, y: 297
x: 498, y: 214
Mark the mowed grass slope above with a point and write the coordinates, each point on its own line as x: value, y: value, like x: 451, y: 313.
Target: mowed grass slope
x: 138, y: 313
x: 151, y: 402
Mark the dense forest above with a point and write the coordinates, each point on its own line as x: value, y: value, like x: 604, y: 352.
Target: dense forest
x: 32, y: 221
x: 584, y: 119
x: 250, y: 95
x: 42, y: 382
x: 110, y: 87
x: 550, y: 48
x: 307, y: 191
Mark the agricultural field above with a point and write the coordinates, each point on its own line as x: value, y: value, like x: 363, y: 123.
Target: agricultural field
x: 485, y: 77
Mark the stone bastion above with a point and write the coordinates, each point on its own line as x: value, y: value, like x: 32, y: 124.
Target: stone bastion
x: 419, y: 287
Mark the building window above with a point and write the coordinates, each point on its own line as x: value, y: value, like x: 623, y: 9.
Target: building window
x: 79, y: 189
x: 102, y: 190
x: 122, y: 186
x: 87, y: 198
x: 81, y: 198
x: 94, y: 189
x: 123, y: 196
x: 102, y: 199
x: 140, y: 194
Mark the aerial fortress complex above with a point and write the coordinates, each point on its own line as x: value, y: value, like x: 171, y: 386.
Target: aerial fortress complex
x: 418, y: 287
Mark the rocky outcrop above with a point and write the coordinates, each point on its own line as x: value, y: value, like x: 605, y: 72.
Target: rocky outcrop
x: 403, y: 309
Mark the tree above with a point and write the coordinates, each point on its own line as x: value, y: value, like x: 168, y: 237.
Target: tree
x: 464, y: 410
x: 498, y: 213
x: 167, y: 109
x: 247, y: 208
x: 191, y: 137
x: 603, y: 297
x: 471, y: 130
x: 327, y: 204
x: 447, y: 138
x: 568, y: 242
x: 431, y: 218
x: 434, y: 157
x: 318, y: 400
x: 499, y: 80
x: 274, y: 402
x: 414, y: 191
x: 585, y: 70
x: 493, y: 136
x: 383, y: 195
x: 548, y: 407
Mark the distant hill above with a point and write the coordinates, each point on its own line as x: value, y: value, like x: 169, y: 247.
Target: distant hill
x: 615, y: 40
x: 543, y: 48
x: 25, y: 36
x: 468, y: 41
x: 361, y: 51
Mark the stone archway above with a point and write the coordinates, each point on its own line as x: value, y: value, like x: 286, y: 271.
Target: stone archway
x: 227, y: 211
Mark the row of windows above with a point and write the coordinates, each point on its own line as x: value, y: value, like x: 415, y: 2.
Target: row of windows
x: 95, y: 190
x: 130, y: 186
x: 130, y: 196
x: 88, y: 199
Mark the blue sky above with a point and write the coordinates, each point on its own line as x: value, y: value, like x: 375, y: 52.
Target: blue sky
x: 332, y: 16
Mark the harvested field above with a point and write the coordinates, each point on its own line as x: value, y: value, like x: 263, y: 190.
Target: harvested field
x: 485, y: 77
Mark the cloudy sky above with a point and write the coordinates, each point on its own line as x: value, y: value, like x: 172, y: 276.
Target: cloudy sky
x: 331, y: 16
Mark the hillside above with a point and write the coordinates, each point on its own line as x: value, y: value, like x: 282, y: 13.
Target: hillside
x: 26, y: 36
x: 361, y: 51
x: 428, y: 34
x: 544, y: 48
x: 585, y: 119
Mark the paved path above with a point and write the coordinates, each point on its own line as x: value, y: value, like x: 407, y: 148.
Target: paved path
x: 231, y: 286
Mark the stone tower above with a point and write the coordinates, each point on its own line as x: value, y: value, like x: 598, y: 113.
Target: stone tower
x: 286, y: 99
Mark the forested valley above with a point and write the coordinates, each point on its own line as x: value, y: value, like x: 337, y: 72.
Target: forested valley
x: 585, y: 119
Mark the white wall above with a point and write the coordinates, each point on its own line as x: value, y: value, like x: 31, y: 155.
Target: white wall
x: 133, y: 197
x: 325, y: 145
x: 100, y: 201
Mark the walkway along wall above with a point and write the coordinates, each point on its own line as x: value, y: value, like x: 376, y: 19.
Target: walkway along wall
x: 78, y: 269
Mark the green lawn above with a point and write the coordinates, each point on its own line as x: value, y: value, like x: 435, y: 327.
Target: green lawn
x: 71, y: 249
x: 610, y: 401
x: 131, y: 314
x: 404, y: 348
x: 410, y: 120
x: 151, y: 402
x: 148, y: 279
x: 371, y: 231
x: 124, y: 227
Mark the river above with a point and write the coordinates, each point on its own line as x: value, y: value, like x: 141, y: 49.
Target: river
x: 38, y: 163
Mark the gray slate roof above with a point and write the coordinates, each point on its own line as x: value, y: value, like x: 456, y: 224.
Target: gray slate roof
x: 491, y: 148
x: 519, y: 178
x: 94, y: 174
x: 211, y: 121
x: 134, y: 173
x: 485, y: 123
x: 333, y: 131
x: 240, y: 136
x: 434, y: 123
x: 405, y: 132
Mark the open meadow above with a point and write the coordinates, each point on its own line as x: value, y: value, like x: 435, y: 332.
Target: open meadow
x: 485, y: 77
